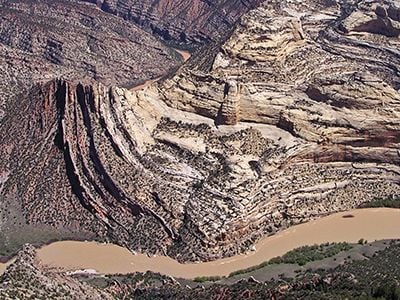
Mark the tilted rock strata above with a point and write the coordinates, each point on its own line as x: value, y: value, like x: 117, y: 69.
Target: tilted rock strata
x: 42, y: 40
x: 197, y: 190
x: 316, y: 72
x: 184, y: 22
x: 39, y: 41
x: 298, y: 118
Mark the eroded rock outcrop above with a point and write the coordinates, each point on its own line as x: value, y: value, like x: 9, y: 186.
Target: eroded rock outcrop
x: 322, y: 83
x: 42, y: 40
x: 297, y: 118
x: 183, y: 22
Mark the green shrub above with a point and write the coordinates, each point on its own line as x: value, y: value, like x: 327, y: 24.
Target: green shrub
x: 301, y: 256
x: 207, y: 278
x: 392, y: 202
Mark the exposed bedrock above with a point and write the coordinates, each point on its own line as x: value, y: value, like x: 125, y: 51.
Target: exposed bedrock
x: 159, y: 180
x: 326, y: 77
x: 180, y: 21
x: 41, y: 40
x: 298, y: 118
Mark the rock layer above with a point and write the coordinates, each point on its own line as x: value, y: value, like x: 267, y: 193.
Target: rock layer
x: 42, y: 40
x: 297, y: 118
x: 182, y: 22
x: 321, y: 82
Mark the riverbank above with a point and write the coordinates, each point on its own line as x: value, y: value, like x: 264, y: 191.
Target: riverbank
x: 370, y: 224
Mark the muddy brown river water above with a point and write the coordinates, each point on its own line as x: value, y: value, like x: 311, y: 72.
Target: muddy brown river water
x: 370, y: 224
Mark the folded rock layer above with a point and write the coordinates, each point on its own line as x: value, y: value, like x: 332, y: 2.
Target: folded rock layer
x: 297, y: 118
x: 42, y: 40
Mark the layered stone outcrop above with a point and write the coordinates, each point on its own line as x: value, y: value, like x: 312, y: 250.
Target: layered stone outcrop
x: 298, y: 117
x: 321, y: 82
x: 187, y: 23
x: 42, y: 40
x: 229, y: 110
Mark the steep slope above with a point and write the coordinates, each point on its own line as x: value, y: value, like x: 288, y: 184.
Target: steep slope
x: 39, y: 41
x: 297, y: 118
x: 42, y: 40
x: 186, y: 22
x: 26, y: 278
x: 321, y: 84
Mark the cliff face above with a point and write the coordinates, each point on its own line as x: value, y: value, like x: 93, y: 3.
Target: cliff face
x: 181, y: 21
x: 39, y: 41
x: 64, y: 168
x: 42, y: 40
x: 297, y: 118
x: 318, y: 81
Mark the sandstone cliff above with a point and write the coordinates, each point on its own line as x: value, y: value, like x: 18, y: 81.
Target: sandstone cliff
x: 318, y: 81
x: 297, y: 118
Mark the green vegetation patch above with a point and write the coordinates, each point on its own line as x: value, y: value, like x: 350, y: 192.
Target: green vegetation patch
x: 390, y: 202
x: 208, y: 278
x: 301, y: 256
x: 306, y: 254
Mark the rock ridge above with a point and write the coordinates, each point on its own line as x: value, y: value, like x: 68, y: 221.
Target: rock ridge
x: 297, y: 118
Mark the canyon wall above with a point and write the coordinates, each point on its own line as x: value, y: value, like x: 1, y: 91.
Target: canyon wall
x: 182, y: 22
x: 42, y: 40
x: 297, y: 118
